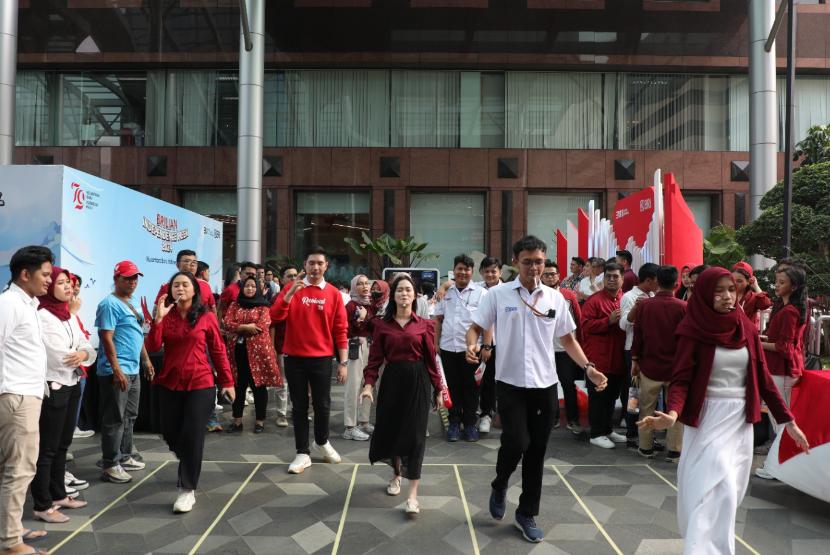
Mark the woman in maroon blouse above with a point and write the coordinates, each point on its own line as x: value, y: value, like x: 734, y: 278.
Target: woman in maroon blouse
x: 784, y: 340
x: 718, y: 381
x: 406, y: 343
x: 187, y: 331
x: 750, y: 297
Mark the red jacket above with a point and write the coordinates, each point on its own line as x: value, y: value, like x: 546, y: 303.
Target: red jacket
x: 186, y: 366
x: 787, y: 333
x: 693, y: 368
x: 315, y: 321
x: 654, y: 340
x: 753, y: 303
x: 602, y: 341
x: 576, y: 310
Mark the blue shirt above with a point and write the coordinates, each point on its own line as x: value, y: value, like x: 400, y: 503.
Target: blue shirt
x: 113, y: 314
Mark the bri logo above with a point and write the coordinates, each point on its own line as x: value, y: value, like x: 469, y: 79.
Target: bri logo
x: 511, y: 309
x: 78, y: 196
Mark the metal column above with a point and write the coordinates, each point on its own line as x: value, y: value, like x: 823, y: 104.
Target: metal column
x: 8, y: 72
x: 763, y: 105
x: 249, y: 151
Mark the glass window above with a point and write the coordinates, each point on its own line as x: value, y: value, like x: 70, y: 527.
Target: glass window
x: 88, y: 109
x: 31, y: 115
x: 333, y: 108
x: 221, y: 206
x: 425, y: 109
x: 702, y: 206
x: 554, y: 110
x: 547, y: 212
x: 452, y: 224
x: 192, y: 108
x: 325, y: 219
x: 482, y: 110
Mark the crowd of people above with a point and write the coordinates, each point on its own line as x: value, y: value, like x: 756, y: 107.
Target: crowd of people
x: 685, y: 342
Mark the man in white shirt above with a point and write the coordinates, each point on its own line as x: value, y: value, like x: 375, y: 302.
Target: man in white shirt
x: 454, y: 316
x: 490, y: 270
x: 22, y: 386
x: 591, y: 283
x: 646, y: 288
x: 527, y: 316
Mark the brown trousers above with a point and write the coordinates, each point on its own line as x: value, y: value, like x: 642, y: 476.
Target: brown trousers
x: 649, y: 391
x: 19, y: 440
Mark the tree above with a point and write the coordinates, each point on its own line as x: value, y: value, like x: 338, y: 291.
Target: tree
x: 721, y: 248
x: 815, y: 147
x: 810, y: 225
x: 396, y: 250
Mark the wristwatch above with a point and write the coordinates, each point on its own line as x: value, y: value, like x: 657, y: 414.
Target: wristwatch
x: 487, y: 347
x: 589, y: 365
x: 343, y: 362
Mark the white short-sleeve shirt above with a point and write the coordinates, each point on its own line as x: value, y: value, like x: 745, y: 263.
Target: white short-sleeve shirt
x: 526, y: 355
x: 457, y: 308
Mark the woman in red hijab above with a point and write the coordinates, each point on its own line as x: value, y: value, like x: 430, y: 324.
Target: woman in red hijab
x: 750, y: 297
x: 66, y: 349
x: 720, y: 375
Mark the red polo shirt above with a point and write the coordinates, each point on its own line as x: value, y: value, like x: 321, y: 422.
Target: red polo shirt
x: 654, y: 340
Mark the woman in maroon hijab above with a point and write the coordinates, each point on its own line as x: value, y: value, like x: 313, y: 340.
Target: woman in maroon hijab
x: 719, y: 377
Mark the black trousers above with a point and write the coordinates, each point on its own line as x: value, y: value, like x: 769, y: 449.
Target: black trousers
x: 302, y: 373
x: 184, y: 418
x: 625, y: 386
x: 461, y: 382
x: 568, y: 372
x: 57, y: 424
x: 526, y: 421
x: 601, y: 405
x: 245, y: 380
x: 488, y: 387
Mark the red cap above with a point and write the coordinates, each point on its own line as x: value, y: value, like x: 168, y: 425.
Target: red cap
x: 743, y: 266
x: 126, y: 268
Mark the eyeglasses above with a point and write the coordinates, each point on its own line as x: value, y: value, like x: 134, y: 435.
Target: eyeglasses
x: 550, y: 274
x: 532, y: 262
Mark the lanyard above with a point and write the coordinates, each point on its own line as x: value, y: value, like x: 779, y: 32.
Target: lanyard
x: 68, y: 329
x: 551, y: 313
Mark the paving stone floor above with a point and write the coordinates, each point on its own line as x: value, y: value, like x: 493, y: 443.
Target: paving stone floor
x: 594, y: 502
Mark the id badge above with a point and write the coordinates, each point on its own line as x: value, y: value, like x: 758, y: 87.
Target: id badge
x: 145, y: 328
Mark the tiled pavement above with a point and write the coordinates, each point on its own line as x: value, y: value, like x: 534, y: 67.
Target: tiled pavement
x: 594, y: 502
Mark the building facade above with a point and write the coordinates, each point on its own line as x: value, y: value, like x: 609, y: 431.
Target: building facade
x: 465, y: 123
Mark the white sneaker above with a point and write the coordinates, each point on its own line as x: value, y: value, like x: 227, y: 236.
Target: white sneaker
x: 185, y: 501
x: 762, y: 472
x: 356, y: 434
x: 79, y: 433
x: 282, y: 422
x: 602, y: 441
x: 70, y: 481
x: 617, y: 438
x: 411, y: 507
x: 299, y: 464
x: 484, y: 424
x: 394, y: 487
x: 249, y: 397
x: 328, y: 453
x: 131, y: 465
x: 116, y: 475
x: 367, y: 428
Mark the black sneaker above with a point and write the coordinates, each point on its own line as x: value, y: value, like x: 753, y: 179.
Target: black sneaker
x: 657, y: 446
x: 233, y: 428
x: 498, y: 503
x: 527, y: 524
x: 632, y: 443
x: 673, y: 456
x: 647, y: 453
x: 453, y: 432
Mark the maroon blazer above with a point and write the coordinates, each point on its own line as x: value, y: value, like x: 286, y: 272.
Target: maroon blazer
x: 602, y: 341
x: 787, y: 333
x: 654, y: 340
x: 693, y: 368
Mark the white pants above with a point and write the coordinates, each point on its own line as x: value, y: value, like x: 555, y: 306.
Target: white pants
x: 355, y: 410
x: 281, y: 393
x: 713, y: 476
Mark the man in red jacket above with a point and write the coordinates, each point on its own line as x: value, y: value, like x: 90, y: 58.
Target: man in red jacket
x: 652, y: 356
x: 603, y: 342
x: 316, y: 324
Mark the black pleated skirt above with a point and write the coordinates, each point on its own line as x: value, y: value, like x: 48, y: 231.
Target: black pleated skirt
x: 403, y: 407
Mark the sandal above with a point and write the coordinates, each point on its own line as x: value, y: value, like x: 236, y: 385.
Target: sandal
x: 30, y: 535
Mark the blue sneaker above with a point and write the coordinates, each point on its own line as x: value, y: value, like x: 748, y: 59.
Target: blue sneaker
x: 527, y: 524
x: 453, y: 432
x: 470, y: 433
x: 498, y: 503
